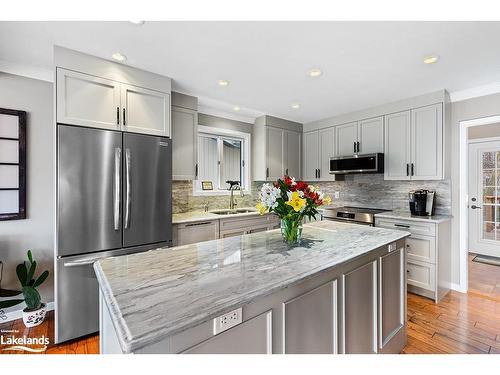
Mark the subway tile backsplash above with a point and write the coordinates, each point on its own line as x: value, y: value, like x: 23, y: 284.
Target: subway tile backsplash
x: 364, y: 190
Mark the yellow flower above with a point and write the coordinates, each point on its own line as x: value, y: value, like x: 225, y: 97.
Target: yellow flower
x: 296, y: 201
x: 262, y: 209
x: 327, y: 200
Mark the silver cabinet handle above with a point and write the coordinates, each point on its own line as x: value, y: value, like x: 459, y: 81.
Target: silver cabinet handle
x: 80, y: 264
x: 401, y: 225
x: 116, y: 190
x: 127, y: 186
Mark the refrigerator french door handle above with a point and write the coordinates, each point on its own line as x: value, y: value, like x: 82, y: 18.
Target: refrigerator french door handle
x: 127, y: 186
x: 116, y: 190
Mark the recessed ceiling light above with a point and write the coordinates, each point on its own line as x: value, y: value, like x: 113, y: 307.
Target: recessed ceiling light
x: 118, y: 56
x: 138, y: 23
x: 315, y: 72
x: 223, y: 82
x: 295, y: 106
x: 236, y: 108
x: 431, y: 59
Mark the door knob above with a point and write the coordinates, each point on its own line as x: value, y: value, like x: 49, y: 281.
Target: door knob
x: 474, y: 207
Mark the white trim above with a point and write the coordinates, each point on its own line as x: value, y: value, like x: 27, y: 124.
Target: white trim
x: 483, y: 140
x: 475, y: 92
x: 25, y: 70
x: 463, y: 195
x: 18, y: 314
x: 221, y: 113
x: 456, y: 287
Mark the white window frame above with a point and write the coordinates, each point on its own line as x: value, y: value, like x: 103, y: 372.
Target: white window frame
x: 245, y: 172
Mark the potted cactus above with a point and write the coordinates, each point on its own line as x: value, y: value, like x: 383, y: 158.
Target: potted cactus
x: 35, y: 310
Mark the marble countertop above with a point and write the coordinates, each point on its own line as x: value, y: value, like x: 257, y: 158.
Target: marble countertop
x: 155, y: 294
x: 404, y: 215
x: 197, y: 216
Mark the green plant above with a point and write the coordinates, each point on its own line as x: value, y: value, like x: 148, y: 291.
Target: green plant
x: 26, y: 274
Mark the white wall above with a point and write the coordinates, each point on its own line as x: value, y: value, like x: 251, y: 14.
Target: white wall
x: 36, y: 231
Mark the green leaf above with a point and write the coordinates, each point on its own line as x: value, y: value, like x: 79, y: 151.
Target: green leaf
x: 31, y: 298
x: 30, y: 256
x: 41, y: 279
x: 22, y: 273
x: 10, y: 303
x: 31, y: 272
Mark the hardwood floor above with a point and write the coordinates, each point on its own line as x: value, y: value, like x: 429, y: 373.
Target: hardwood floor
x: 84, y: 345
x: 460, y: 323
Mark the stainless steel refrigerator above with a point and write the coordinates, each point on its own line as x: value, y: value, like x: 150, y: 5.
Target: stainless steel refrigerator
x: 113, y: 198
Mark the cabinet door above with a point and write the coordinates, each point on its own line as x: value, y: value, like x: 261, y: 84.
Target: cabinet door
x: 251, y: 337
x: 326, y: 151
x: 427, y: 142
x: 293, y: 154
x: 371, y: 135
x: 310, y: 321
x: 86, y: 100
x: 275, y: 153
x: 310, y: 157
x: 360, y: 310
x: 397, y: 146
x: 391, y: 296
x: 145, y: 111
x: 347, y: 136
x: 184, y: 142
x: 185, y: 234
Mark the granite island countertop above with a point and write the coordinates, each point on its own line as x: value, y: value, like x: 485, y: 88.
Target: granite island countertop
x: 155, y: 294
x: 404, y: 215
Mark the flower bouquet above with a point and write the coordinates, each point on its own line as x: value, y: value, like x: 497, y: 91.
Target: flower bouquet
x: 292, y: 201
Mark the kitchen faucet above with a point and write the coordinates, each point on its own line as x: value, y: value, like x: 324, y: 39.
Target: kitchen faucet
x: 234, y: 185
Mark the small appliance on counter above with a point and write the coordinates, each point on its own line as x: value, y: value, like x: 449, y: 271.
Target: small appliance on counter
x: 422, y: 202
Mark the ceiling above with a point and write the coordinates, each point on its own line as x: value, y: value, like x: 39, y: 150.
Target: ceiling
x: 364, y: 64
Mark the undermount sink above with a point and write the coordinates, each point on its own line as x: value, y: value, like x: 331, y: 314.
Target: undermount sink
x: 232, y: 212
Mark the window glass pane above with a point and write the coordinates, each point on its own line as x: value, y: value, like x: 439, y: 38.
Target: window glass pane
x: 488, y: 230
x: 9, y: 126
x: 9, y: 151
x: 488, y: 213
x: 489, y: 195
x: 9, y: 176
x: 231, y: 156
x: 9, y: 201
x: 488, y: 160
x: 208, y: 159
x: 489, y: 177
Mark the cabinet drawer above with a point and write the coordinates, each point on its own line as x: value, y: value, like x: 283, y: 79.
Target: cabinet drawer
x: 421, y: 248
x: 421, y: 274
x: 184, y: 234
x: 414, y: 227
x: 231, y: 223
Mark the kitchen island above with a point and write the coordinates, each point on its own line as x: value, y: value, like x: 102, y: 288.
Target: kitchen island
x: 342, y: 290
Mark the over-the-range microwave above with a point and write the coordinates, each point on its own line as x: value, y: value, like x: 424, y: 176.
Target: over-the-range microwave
x: 368, y: 163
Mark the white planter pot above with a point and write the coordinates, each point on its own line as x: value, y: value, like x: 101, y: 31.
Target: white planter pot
x: 34, y: 318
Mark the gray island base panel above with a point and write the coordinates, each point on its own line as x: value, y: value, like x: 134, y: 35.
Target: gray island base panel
x: 343, y: 290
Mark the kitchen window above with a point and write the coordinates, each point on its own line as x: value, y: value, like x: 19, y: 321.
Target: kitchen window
x: 223, y: 155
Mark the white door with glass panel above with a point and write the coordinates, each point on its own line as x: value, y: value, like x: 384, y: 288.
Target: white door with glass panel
x: 484, y: 198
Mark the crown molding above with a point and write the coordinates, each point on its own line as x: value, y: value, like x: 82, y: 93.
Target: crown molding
x: 475, y: 92
x: 26, y: 70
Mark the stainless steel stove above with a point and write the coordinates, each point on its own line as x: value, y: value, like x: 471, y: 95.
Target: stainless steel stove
x: 356, y: 215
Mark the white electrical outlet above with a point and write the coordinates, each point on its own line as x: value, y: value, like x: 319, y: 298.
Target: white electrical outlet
x: 337, y: 195
x: 228, y: 320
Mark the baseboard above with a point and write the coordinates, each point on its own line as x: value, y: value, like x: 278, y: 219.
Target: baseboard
x: 18, y: 314
x: 457, y: 288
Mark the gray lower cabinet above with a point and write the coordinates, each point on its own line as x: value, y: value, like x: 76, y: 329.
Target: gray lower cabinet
x: 251, y: 337
x: 310, y: 321
x: 360, y: 309
x: 392, y: 293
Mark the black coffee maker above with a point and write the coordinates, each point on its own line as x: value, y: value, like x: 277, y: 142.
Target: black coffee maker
x: 418, y: 202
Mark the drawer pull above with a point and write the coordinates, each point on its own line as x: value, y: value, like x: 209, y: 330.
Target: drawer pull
x: 195, y: 224
x: 402, y: 226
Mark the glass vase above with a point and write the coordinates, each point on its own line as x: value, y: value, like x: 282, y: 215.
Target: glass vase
x: 291, y: 231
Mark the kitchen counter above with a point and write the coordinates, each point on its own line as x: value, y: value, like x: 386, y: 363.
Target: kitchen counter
x: 197, y: 216
x: 153, y: 295
x: 404, y: 215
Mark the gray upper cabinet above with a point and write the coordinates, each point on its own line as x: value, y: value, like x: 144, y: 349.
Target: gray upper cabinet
x: 311, y: 156
x: 371, y: 135
x: 293, y: 154
x: 326, y: 151
x: 397, y: 146
x: 346, y: 136
x: 184, y: 135
x: 145, y: 111
x: 275, y: 153
x: 310, y: 322
x: 414, y: 144
x: 87, y: 100
x: 427, y: 143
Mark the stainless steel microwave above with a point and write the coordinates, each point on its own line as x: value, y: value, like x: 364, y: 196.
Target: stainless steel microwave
x: 369, y: 163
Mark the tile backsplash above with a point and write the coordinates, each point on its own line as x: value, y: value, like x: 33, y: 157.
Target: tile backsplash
x: 364, y: 190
